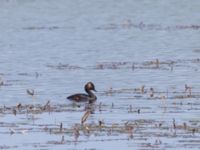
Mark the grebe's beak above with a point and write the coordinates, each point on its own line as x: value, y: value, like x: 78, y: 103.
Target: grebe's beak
x: 95, y: 90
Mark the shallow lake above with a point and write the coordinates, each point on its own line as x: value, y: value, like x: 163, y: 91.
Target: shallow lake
x: 143, y: 57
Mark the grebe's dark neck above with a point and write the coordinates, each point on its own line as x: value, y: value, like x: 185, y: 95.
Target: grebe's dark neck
x: 91, y: 94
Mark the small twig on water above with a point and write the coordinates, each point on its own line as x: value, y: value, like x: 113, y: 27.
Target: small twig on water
x: 30, y: 92
x: 174, y: 124
x: 47, y: 105
x: 76, y: 133
x: 61, y: 127
x: 151, y: 92
x: 85, y: 116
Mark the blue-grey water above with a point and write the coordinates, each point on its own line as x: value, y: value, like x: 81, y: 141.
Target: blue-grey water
x: 55, y: 47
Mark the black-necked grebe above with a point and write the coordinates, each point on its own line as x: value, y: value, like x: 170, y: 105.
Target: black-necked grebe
x: 80, y: 97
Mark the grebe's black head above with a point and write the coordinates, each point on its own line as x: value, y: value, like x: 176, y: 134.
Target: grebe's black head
x: 90, y: 86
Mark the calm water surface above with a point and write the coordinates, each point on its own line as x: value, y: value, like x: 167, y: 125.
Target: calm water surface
x: 55, y: 47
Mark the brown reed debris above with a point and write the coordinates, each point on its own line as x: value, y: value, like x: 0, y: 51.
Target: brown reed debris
x: 85, y: 116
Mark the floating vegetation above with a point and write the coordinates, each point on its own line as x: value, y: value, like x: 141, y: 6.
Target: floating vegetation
x: 140, y: 114
x: 128, y: 24
x: 64, y: 66
x: 42, y: 28
x: 90, y: 129
x: 166, y: 65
